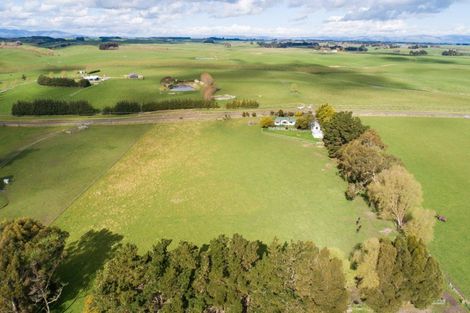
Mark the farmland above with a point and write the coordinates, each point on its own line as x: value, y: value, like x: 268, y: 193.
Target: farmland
x: 274, y: 77
x: 193, y: 178
x: 191, y: 181
x: 437, y: 151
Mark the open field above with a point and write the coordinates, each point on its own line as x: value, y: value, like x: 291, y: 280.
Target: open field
x: 275, y: 77
x: 49, y: 174
x: 437, y: 152
x: 193, y: 181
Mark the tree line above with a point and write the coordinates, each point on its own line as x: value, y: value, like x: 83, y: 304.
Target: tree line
x: 229, y: 274
x: 244, y: 103
x: 82, y: 107
x: 62, y: 82
x: 373, y: 173
x: 52, y: 107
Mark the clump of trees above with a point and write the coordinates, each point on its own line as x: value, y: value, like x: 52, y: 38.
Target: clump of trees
x: 30, y: 255
x: 391, y: 273
x: 226, y: 275
x: 209, y: 88
x: 245, y: 104
x: 266, y: 121
x: 62, y: 82
x: 341, y: 129
x: 451, y: 52
x: 52, y: 107
x: 324, y: 113
x: 303, y: 121
x: 418, y: 52
x: 109, y: 46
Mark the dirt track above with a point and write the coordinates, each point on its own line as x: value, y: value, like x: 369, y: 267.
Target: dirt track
x: 187, y: 115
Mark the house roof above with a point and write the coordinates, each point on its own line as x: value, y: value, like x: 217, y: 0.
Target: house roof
x: 285, y: 118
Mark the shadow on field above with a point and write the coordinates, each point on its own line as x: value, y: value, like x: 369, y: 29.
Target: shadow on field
x: 15, y: 156
x: 84, y: 258
x: 410, y: 58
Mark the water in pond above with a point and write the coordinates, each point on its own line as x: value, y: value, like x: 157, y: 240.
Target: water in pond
x: 182, y: 88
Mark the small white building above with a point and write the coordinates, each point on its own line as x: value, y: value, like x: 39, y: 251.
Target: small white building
x: 316, y: 130
x: 92, y: 78
x: 284, y: 121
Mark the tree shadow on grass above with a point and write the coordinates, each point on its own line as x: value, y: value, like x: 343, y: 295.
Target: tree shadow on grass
x: 85, y: 258
x: 12, y: 157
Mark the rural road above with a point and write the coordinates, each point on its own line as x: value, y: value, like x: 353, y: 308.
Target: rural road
x: 186, y: 115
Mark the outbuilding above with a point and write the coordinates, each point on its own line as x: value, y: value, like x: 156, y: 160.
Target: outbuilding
x: 316, y: 130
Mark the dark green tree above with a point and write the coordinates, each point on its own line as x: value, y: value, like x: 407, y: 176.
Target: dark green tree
x: 340, y: 130
x: 30, y: 255
x: 119, y: 286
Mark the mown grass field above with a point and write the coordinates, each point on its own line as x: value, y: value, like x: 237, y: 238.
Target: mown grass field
x: 275, y: 77
x: 437, y: 152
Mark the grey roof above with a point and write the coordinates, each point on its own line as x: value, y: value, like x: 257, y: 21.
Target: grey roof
x: 285, y: 118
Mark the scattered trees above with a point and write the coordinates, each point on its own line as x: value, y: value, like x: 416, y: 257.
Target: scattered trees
x: 324, y: 113
x: 340, y: 130
x: 394, y: 193
x: 391, y: 273
x: 30, y: 255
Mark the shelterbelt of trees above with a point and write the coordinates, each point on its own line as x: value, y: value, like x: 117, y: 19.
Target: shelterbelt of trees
x: 82, y: 107
x: 371, y: 172
x: 225, y: 275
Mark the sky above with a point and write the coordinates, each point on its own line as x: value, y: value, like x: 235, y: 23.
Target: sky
x: 275, y: 18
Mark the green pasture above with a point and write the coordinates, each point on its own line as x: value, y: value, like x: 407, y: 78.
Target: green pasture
x: 437, y: 152
x: 378, y: 80
x: 193, y: 181
x: 50, y: 168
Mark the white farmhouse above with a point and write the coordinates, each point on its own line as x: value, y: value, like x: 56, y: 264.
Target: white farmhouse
x: 284, y: 121
x: 316, y: 130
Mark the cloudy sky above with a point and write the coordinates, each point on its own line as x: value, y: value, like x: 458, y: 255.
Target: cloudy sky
x: 280, y: 18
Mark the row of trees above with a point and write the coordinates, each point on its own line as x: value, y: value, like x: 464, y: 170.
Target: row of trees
x: 82, y: 107
x: 52, y: 107
x: 244, y: 104
x: 371, y: 172
x: 62, y: 82
x: 226, y: 275
x: 418, y: 52
x: 128, y: 107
